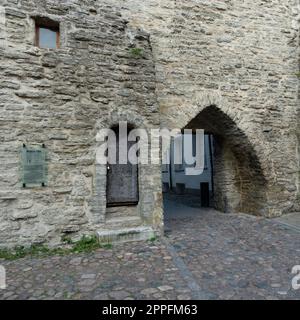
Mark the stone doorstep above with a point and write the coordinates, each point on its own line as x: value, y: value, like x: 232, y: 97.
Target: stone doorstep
x: 8, y: 196
x: 123, y: 222
x: 125, y: 235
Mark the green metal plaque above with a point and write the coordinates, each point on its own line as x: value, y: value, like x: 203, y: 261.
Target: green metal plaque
x: 34, y: 167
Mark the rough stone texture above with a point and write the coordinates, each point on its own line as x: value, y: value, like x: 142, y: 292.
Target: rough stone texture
x: 62, y: 98
x: 208, y: 255
x: 229, y: 67
x: 237, y: 60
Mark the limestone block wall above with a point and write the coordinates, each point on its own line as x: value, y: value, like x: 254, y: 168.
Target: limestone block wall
x: 241, y: 56
x: 62, y: 98
x: 229, y: 66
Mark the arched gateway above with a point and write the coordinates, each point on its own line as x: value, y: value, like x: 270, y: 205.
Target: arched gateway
x: 243, y: 176
x: 239, y: 182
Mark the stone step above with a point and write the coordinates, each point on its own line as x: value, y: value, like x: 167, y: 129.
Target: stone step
x: 123, y: 222
x: 125, y: 235
x: 115, y: 212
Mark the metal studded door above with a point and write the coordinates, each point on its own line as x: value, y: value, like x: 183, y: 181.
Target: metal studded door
x: 122, y: 182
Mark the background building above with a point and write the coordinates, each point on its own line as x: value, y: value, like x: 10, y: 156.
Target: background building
x: 175, y: 180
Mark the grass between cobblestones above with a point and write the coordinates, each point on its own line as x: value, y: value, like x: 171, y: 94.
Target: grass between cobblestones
x: 86, y: 244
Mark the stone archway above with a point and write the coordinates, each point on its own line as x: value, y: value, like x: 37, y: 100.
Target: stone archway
x: 149, y: 206
x: 240, y: 184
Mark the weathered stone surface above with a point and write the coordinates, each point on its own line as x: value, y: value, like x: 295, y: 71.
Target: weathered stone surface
x: 61, y: 98
x: 241, y: 58
x: 228, y: 67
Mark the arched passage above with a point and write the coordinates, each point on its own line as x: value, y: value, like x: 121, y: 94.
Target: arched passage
x: 239, y: 183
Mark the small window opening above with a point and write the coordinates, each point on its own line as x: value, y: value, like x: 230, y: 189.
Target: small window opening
x: 47, y: 33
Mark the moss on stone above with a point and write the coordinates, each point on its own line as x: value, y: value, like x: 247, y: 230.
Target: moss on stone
x: 136, y: 52
x: 85, y: 244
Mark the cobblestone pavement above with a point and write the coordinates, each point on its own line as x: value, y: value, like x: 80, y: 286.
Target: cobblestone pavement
x: 238, y: 256
x: 206, y: 256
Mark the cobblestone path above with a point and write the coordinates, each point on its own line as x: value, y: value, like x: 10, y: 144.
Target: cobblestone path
x: 208, y: 256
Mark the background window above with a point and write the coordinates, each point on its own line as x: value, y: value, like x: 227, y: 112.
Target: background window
x: 47, y: 35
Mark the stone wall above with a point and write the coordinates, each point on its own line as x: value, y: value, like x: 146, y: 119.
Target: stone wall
x: 231, y: 62
x: 241, y: 56
x: 62, y: 98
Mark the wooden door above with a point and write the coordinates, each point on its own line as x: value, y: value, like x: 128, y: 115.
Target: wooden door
x: 122, y: 181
